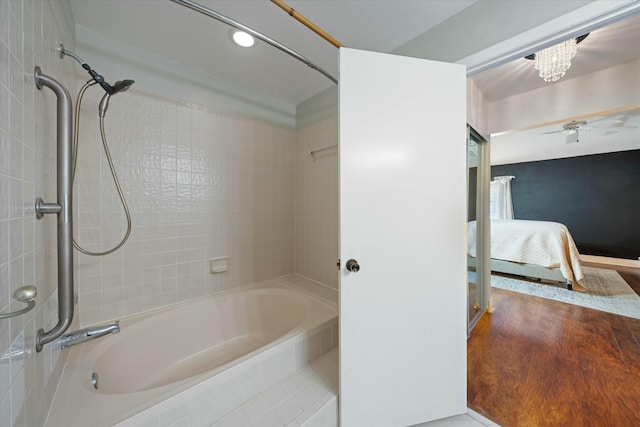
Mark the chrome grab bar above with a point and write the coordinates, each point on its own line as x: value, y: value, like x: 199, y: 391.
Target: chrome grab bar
x: 26, y: 294
x: 63, y: 208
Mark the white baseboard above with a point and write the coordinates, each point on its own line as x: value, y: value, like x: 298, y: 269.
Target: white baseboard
x: 621, y: 262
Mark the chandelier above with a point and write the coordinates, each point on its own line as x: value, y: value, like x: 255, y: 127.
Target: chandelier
x: 553, y: 62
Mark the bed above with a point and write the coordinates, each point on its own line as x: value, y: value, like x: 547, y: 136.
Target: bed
x: 539, y: 249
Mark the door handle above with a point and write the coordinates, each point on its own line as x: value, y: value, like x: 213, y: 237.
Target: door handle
x: 353, y: 266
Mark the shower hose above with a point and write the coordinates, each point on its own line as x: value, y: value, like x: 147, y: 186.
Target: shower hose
x: 113, y: 172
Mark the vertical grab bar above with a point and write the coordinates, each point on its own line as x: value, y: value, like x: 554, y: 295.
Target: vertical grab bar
x: 63, y: 208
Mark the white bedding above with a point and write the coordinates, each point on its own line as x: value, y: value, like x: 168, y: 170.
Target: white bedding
x: 544, y: 243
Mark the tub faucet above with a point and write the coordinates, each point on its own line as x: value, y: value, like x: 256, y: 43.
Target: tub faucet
x: 89, y: 334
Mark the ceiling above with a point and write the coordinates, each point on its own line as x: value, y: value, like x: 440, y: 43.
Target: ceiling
x: 197, y: 41
x: 190, y: 38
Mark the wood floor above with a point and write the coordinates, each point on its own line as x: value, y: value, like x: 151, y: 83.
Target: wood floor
x: 538, y: 362
x: 632, y: 278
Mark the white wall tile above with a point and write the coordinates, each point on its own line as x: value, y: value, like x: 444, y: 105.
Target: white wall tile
x: 16, y: 243
x: 5, y: 410
x: 4, y: 64
x: 4, y: 242
x: 4, y: 108
x: 17, y: 394
x: 5, y: 148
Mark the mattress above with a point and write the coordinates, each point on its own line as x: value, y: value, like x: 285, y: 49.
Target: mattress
x: 544, y: 243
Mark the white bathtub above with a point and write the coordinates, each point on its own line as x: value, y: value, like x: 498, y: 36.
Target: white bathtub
x: 230, y: 346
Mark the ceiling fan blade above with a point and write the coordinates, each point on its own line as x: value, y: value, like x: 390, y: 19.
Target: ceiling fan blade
x: 606, y: 122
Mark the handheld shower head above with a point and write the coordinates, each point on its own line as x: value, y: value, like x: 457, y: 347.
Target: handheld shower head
x: 119, y: 86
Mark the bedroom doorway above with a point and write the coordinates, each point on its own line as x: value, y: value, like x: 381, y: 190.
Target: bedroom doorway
x: 478, y: 269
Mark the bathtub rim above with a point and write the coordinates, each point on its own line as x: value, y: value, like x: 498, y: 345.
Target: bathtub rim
x: 257, y: 285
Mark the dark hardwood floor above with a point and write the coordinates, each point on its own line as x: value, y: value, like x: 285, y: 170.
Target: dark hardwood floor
x: 632, y: 278
x: 538, y: 362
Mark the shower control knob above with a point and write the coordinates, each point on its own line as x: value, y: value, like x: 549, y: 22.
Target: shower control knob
x: 353, y: 266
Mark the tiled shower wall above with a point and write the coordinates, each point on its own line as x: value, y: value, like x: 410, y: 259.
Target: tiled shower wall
x: 200, y: 184
x: 29, y: 32
x: 317, y: 202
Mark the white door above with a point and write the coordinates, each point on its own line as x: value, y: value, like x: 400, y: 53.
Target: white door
x: 403, y: 219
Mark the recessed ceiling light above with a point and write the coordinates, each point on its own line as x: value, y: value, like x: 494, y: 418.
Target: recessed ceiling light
x: 243, y: 39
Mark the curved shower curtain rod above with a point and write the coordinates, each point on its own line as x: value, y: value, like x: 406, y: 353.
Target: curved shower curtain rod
x: 222, y: 18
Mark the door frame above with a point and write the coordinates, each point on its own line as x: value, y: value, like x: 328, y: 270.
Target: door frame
x: 483, y: 258
x: 583, y: 20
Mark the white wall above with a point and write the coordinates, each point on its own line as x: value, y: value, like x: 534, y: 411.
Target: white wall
x: 533, y: 145
x: 477, y: 109
x: 29, y: 32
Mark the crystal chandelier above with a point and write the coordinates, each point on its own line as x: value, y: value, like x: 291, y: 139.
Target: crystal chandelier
x: 553, y: 62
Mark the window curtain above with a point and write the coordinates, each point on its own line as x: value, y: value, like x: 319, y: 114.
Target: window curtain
x: 500, y: 203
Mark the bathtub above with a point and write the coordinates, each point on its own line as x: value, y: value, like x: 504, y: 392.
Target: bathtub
x: 197, y: 360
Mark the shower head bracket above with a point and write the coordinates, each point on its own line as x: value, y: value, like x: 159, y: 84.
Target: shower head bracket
x: 111, y: 90
x: 64, y: 52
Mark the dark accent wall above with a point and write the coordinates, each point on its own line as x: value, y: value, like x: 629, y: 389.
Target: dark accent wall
x: 597, y: 197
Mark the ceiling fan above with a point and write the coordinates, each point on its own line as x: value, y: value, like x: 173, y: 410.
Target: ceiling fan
x: 573, y: 128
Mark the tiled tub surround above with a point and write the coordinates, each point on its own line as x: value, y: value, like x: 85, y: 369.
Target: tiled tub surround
x: 195, y: 361
x: 200, y: 184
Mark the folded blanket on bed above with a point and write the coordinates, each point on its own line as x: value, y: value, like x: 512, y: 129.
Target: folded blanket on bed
x: 544, y: 243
